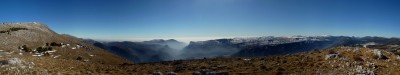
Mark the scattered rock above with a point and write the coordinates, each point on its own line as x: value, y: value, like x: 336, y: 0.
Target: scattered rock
x: 14, y: 61
x: 246, y: 59
x: 73, y: 48
x: 330, y: 56
x: 56, y: 56
x: 210, y: 72
x: 157, y: 73
x: 172, y: 73
x: 196, y: 73
x: 379, y: 54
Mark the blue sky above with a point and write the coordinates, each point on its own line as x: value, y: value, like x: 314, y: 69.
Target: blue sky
x: 124, y: 19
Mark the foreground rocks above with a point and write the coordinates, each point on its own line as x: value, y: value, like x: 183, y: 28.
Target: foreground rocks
x: 340, y: 60
x: 16, y: 66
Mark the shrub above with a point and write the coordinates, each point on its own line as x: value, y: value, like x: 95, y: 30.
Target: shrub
x: 54, y: 44
x: 41, y: 49
x: 263, y: 67
x: 395, y: 52
x: 3, y: 31
x: 79, y: 58
x: 26, y: 49
x: 13, y: 29
x: 16, y: 29
x: 358, y: 58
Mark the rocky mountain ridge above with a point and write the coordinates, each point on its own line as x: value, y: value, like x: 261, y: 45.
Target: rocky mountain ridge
x: 33, y: 48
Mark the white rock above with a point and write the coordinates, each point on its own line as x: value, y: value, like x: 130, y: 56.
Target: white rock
x: 397, y: 57
x: 331, y: 56
x: 37, y: 55
x: 14, y: 61
x: 57, y: 56
x: 51, y: 51
x: 246, y: 59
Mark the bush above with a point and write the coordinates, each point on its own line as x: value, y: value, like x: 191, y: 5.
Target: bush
x: 3, y: 31
x: 79, y: 58
x: 13, y: 29
x: 26, y: 49
x: 16, y: 29
x: 41, y: 49
x: 54, y: 44
x: 358, y: 58
x: 263, y: 67
x: 395, y: 52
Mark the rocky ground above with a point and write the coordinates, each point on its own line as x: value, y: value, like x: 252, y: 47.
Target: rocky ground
x: 340, y: 60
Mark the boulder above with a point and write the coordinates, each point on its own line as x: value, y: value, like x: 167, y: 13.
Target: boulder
x: 379, y: 54
x: 330, y: 56
x: 14, y: 61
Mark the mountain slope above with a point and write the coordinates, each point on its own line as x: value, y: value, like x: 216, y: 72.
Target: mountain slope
x: 34, y: 44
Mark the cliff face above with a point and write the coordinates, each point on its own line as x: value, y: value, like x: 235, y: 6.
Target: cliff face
x: 34, y: 43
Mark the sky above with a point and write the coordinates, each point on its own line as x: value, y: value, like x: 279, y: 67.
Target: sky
x: 206, y: 19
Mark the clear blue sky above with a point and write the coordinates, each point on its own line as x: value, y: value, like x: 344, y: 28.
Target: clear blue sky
x: 99, y: 19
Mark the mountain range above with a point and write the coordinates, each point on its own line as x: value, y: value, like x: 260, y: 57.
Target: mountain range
x: 166, y: 50
x: 32, y: 48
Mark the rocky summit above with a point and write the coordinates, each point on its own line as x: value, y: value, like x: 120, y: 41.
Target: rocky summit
x: 33, y: 48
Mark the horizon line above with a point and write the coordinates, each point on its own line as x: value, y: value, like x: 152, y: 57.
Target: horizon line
x: 195, y: 39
